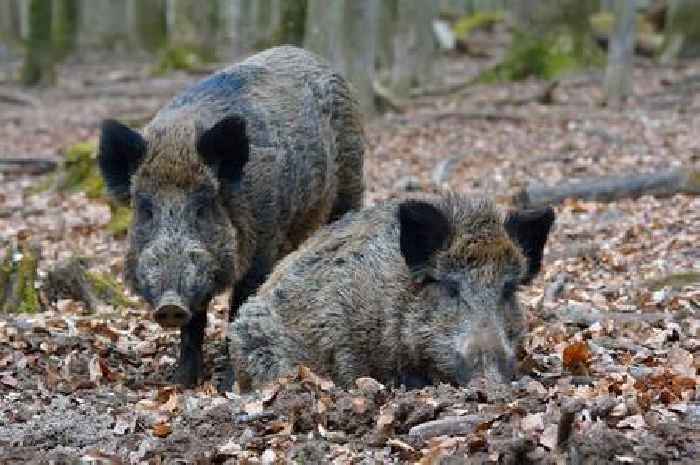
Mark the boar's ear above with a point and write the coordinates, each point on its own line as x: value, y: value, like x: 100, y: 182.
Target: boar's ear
x: 529, y: 229
x: 423, y: 230
x: 226, y: 149
x: 121, y: 150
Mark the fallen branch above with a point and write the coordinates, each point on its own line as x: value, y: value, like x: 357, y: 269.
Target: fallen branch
x: 447, y: 426
x: 469, y: 115
x: 18, y: 98
x: 609, y: 189
x: 33, y: 166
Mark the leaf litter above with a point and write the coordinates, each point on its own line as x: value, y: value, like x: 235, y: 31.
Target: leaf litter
x: 610, y: 365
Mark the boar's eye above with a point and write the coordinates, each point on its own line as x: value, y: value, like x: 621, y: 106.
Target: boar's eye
x: 509, y: 288
x: 452, y: 288
x: 144, y: 208
x: 203, y: 210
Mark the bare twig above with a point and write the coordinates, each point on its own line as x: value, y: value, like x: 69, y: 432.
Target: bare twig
x: 34, y: 166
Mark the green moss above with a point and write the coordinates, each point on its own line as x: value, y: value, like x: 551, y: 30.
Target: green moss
x: 479, y: 20
x: 544, y: 58
x: 81, y: 172
x: 26, y: 278
x: 119, y: 222
x: 17, y: 282
x: 108, y: 290
x: 674, y: 280
x: 180, y: 58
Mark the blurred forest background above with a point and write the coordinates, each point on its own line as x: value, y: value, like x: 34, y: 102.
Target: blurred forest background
x: 385, y: 47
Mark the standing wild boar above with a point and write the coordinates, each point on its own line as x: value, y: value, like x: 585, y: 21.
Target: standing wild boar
x: 230, y: 176
x: 411, y: 292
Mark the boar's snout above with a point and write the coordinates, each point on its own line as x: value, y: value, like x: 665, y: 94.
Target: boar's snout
x: 172, y: 311
x: 486, y: 353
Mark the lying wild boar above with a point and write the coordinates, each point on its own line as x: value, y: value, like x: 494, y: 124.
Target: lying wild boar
x: 411, y: 292
x: 230, y: 176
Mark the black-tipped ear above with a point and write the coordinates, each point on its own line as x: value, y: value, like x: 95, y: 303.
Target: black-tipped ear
x: 423, y: 230
x: 120, y: 153
x: 226, y: 149
x: 530, y: 229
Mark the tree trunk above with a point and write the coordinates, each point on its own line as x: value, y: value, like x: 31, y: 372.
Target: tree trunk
x: 147, y: 24
x: 193, y: 25
x: 292, y: 22
x: 388, y: 15
x: 65, y: 26
x: 238, y: 27
x: 414, y: 46
x: 39, y: 58
x: 682, y: 29
x: 103, y: 25
x: 344, y: 32
x: 10, y: 30
x: 618, y: 74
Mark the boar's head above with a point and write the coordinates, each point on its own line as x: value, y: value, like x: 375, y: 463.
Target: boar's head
x: 182, y: 243
x: 469, y: 263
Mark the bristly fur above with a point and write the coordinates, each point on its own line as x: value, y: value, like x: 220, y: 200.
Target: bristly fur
x: 346, y: 302
x: 304, y: 168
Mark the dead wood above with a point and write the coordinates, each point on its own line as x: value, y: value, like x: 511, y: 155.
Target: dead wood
x: 18, y: 98
x: 32, y: 166
x: 609, y: 189
x: 456, y: 425
x: 18, y: 274
x: 71, y: 279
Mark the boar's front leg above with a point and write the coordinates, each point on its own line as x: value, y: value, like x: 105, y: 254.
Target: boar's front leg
x: 190, y: 368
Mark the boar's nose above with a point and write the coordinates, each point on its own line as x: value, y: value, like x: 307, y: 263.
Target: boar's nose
x: 172, y: 311
x: 485, y: 354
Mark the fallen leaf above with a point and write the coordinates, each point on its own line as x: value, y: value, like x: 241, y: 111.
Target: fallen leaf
x: 576, y: 358
x: 162, y: 430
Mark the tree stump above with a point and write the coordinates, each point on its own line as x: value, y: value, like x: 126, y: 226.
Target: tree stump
x: 18, y: 273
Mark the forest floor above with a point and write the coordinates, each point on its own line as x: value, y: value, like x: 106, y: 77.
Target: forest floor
x: 611, y: 359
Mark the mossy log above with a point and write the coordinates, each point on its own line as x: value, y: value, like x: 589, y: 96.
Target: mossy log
x: 18, y: 273
x: 612, y: 188
x: 71, y: 279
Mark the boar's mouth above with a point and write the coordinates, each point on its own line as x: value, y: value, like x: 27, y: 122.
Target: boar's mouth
x: 171, y: 311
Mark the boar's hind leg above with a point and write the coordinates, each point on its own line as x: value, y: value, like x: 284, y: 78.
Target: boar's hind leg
x: 350, y: 144
x: 260, y: 347
x: 191, y: 364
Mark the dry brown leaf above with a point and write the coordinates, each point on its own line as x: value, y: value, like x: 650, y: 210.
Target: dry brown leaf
x: 576, y: 358
x: 162, y: 430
